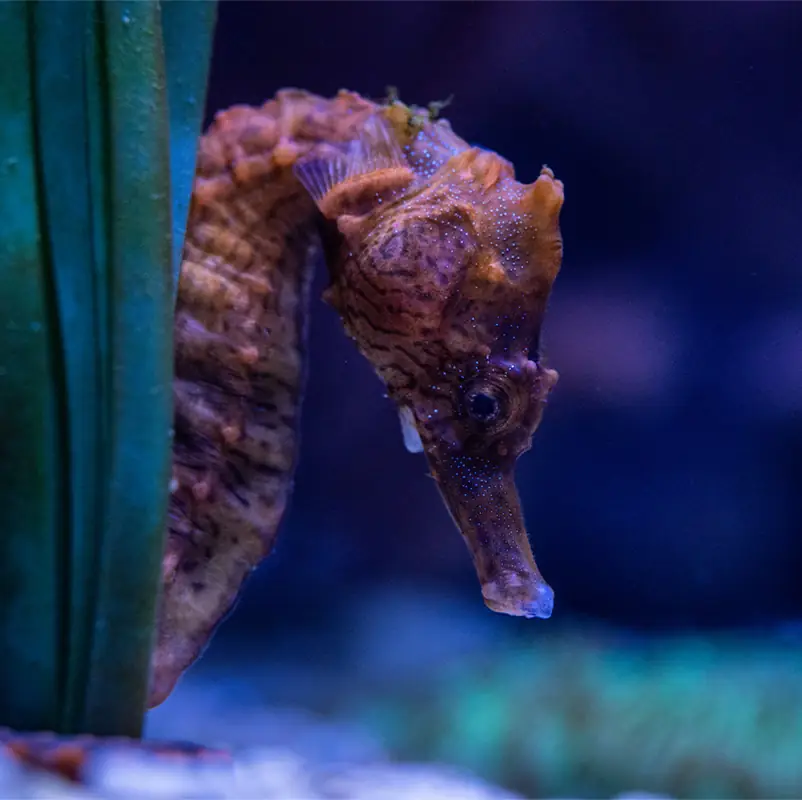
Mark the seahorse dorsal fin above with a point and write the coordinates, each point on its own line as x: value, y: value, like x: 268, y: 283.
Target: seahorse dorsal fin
x: 369, y: 170
x: 412, y: 440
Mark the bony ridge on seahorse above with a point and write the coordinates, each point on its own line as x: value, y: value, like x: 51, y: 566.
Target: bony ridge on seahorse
x: 441, y: 266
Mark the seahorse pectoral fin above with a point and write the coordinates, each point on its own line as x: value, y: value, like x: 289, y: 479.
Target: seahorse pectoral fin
x: 409, y: 431
x: 484, y: 502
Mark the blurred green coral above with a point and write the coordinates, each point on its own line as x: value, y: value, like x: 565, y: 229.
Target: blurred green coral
x: 588, y: 716
x: 101, y: 104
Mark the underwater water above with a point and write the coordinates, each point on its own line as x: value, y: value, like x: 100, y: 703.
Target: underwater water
x: 662, y: 491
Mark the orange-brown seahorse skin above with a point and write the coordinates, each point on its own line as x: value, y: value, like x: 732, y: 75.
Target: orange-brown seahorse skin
x: 441, y: 265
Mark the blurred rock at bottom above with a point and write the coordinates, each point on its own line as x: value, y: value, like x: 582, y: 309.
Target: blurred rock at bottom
x: 255, y: 773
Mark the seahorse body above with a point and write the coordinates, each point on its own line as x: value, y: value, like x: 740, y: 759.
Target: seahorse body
x: 441, y: 265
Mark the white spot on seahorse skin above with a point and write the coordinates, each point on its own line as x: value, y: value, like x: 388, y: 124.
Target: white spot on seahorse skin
x: 409, y: 431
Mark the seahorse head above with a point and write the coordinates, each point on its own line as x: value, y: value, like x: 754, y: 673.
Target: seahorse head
x: 441, y: 266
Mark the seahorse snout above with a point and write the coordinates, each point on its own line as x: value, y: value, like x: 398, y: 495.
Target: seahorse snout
x: 484, y: 503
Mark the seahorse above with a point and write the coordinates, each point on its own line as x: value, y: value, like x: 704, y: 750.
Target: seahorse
x: 440, y: 264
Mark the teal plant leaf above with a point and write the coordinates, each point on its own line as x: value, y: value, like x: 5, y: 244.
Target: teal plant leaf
x: 99, y: 101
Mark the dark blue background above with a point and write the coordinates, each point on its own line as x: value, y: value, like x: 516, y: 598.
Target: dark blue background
x: 664, y: 485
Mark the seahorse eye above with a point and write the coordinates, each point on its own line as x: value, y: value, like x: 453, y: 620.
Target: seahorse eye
x: 483, y: 407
